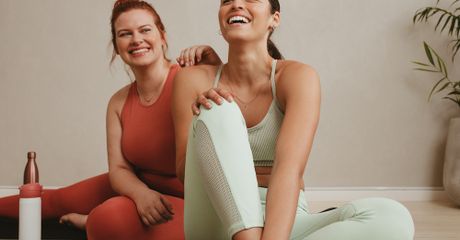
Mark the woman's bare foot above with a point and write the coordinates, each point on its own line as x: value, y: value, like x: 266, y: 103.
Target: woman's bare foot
x: 74, y: 219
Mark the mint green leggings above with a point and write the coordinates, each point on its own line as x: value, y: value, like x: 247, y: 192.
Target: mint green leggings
x: 222, y: 196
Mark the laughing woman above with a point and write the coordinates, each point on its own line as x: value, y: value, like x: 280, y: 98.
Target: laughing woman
x: 244, y: 160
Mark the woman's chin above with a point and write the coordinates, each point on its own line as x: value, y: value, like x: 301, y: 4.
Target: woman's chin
x: 141, y: 62
x: 237, y: 38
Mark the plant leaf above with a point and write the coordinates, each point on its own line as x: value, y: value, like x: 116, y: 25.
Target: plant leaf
x: 439, y: 21
x: 457, y: 101
x: 442, y: 65
x: 443, y: 87
x: 445, y: 23
x: 432, y: 13
x: 434, y: 87
x: 454, y: 92
x: 426, y: 70
x: 421, y: 64
x: 452, y: 26
x: 428, y: 53
x: 455, y: 49
x: 439, y: 63
x: 457, y: 29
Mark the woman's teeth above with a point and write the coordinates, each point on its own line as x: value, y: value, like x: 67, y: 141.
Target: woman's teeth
x: 142, y: 50
x: 238, y: 19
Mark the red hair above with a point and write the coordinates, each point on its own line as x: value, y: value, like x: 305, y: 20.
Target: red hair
x: 122, y: 6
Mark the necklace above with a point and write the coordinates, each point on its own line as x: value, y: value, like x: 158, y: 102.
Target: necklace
x: 243, y: 102
x: 147, y: 100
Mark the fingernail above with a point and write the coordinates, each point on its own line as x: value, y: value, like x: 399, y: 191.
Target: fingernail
x: 230, y: 98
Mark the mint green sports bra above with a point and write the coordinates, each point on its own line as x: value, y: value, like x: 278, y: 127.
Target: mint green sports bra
x: 263, y: 136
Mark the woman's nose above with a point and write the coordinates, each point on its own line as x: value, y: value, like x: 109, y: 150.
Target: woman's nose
x: 237, y: 4
x: 136, y: 39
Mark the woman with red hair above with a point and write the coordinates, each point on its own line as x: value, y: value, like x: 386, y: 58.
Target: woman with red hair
x: 140, y: 197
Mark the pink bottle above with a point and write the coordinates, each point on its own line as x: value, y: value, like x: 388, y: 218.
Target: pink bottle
x: 30, y: 202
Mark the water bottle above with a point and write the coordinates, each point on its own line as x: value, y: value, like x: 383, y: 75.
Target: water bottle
x: 30, y: 202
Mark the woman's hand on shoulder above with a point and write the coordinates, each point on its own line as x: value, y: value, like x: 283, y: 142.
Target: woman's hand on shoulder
x: 189, y: 81
x: 197, y: 55
x: 153, y: 208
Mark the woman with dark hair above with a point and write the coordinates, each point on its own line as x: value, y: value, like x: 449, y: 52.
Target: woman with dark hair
x: 244, y: 155
x: 140, y: 197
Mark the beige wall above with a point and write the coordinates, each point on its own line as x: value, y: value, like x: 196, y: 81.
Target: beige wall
x: 376, y: 127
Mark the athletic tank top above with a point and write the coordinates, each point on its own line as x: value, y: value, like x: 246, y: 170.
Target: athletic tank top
x: 148, y: 141
x: 262, y: 136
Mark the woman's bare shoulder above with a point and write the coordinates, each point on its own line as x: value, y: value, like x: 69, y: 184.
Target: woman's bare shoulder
x: 291, y: 73
x: 288, y: 68
x: 118, y: 98
x: 296, y: 79
x: 196, y: 77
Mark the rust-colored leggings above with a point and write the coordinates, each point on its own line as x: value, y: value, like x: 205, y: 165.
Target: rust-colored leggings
x: 110, y: 216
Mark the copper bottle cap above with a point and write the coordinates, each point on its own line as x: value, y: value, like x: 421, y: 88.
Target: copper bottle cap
x: 31, y: 155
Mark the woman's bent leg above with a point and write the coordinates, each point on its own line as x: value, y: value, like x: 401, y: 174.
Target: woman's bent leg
x: 220, y: 180
x: 80, y: 197
x: 117, y: 218
x: 371, y: 218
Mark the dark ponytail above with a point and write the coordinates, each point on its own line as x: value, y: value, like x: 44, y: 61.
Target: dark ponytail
x: 272, y: 49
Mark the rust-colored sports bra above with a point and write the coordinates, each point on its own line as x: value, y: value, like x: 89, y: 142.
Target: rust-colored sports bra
x: 147, y: 140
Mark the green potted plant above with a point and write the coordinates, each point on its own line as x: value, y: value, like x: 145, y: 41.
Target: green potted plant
x: 447, y: 21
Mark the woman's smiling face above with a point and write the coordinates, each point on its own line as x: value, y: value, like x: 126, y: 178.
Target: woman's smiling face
x: 246, y: 19
x: 138, y: 40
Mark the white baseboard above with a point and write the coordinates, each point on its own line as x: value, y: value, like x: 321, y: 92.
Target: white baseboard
x: 338, y: 194
x: 8, y: 190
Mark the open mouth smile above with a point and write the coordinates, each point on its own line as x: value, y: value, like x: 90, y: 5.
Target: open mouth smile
x: 238, y: 20
x: 136, y: 51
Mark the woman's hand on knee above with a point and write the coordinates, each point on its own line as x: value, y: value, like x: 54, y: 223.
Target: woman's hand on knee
x: 198, y: 54
x: 153, y: 208
x: 216, y: 95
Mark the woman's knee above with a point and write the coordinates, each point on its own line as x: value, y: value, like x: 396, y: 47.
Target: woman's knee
x: 384, y: 206
x: 389, y: 214
x: 116, y: 218
x: 226, y: 114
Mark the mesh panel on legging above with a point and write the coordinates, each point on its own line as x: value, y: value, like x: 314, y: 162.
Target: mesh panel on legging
x: 217, y: 186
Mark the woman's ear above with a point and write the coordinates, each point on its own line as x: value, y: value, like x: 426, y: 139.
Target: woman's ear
x: 276, y: 19
x: 164, y: 38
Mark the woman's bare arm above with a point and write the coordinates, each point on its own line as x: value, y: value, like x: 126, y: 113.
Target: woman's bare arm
x: 188, y: 83
x: 151, y: 206
x: 299, y: 94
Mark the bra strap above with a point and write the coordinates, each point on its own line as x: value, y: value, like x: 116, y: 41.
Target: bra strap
x: 272, y: 78
x: 216, y: 80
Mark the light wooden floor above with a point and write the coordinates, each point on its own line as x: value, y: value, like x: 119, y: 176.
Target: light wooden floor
x: 433, y: 220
